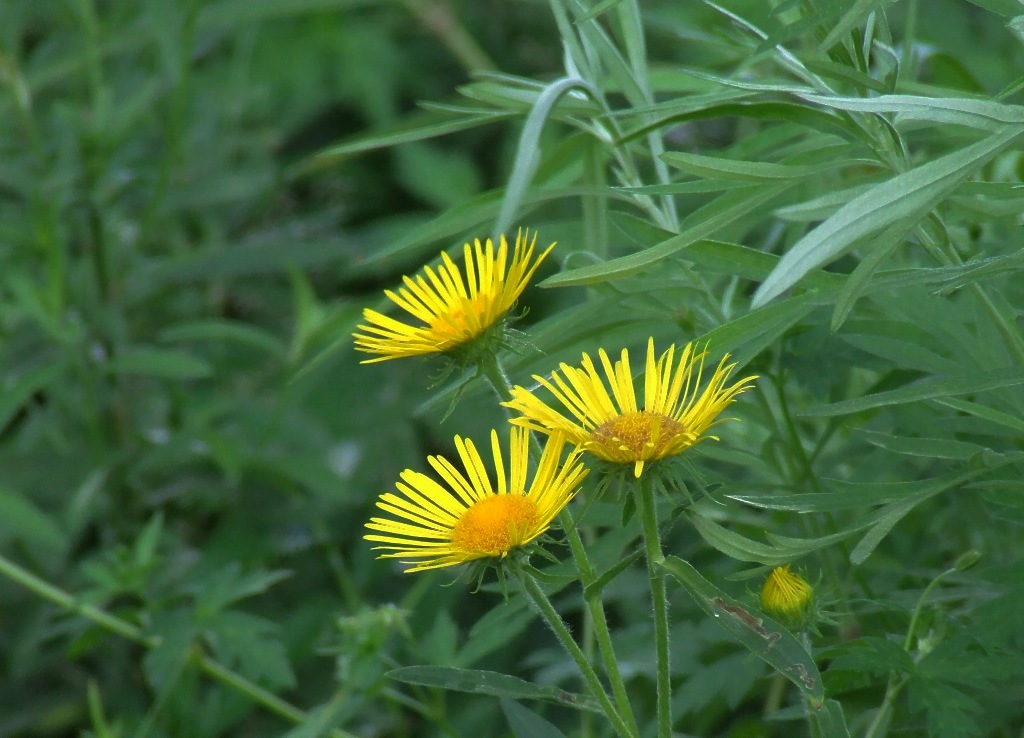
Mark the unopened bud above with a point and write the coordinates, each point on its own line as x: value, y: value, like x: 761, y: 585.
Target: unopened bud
x: 787, y: 597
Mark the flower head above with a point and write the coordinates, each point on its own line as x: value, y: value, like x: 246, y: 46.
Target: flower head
x: 787, y: 596
x: 465, y: 518
x: 451, y: 311
x: 675, y: 416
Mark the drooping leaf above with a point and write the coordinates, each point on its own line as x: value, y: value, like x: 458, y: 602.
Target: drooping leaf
x: 761, y: 635
x: 929, y: 388
x: 907, y: 197
x: 491, y: 683
x: 527, y: 724
x: 158, y: 362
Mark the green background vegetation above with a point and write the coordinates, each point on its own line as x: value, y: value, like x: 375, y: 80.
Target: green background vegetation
x: 198, y: 199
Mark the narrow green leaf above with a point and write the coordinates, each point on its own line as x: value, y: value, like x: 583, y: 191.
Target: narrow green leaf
x: 491, y: 683
x: 595, y: 587
x: 852, y: 291
x: 930, y: 388
x: 843, y: 495
x: 761, y: 635
x: 597, y: 10
x: 527, y: 724
x: 792, y: 113
x: 417, y: 128
x: 14, y: 396
x: 750, y: 334
x: 156, y: 362
x: 1009, y: 8
x: 494, y: 630
x: 984, y: 115
x: 722, y: 211
x: 830, y: 720
x: 470, y: 215
x: 823, y: 206
x: 717, y: 167
x: 21, y: 519
x: 528, y: 153
x: 742, y: 548
x: 907, y: 197
x: 854, y: 17
x: 844, y: 73
x: 929, y: 448
x: 893, y: 514
x: 219, y: 331
x: 144, y: 550
x: 981, y: 411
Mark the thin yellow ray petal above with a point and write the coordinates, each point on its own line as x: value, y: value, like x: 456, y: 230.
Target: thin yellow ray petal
x: 567, y: 395
x: 424, y: 491
x: 454, y: 276
x: 470, y: 267
x: 415, y: 515
x: 499, y: 466
x: 455, y: 479
x: 518, y: 458
x: 474, y: 468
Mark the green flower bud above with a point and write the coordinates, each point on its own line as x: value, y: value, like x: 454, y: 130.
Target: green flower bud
x: 788, y: 597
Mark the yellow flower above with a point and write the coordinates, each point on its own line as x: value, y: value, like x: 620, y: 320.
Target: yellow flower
x: 465, y: 518
x: 451, y: 311
x: 676, y: 413
x: 786, y: 596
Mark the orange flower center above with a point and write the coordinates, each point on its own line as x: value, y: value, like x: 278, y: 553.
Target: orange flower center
x: 462, y: 321
x: 495, y: 525
x: 644, y: 434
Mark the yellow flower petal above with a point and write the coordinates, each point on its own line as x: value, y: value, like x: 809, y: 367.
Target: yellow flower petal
x: 676, y: 413
x: 451, y: 311
x: 436, y: 525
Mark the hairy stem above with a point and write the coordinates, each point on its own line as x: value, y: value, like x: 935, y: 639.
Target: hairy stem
x: 502, y: 385
x: 561, y: 630
x: 644, y: 493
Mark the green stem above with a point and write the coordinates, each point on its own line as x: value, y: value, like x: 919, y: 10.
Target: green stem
x: 807, y: 474
x: 595, y: 606
x: 631, y: 21
x: 644, y: 493
x: 502, y: 385
x: 880, y: 725
x: 561, y: 631
x: 946, y: 254
x: 67, y: 601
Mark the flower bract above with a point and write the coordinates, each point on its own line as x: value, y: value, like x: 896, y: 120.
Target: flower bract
x: 464, y: 517
x: 448, y: 307
x: 606, y: 420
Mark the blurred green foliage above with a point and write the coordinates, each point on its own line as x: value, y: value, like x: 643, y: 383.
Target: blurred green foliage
x: 198, y: 198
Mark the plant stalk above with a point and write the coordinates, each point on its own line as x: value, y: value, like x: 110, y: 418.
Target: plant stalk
x: 561, y: 630
x: 644, y: 494
x: 502, y: 385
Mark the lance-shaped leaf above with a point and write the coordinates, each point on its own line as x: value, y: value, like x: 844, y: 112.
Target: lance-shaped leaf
x: 491, y: 683
x: 761, y: 635
x: 906, y: 197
